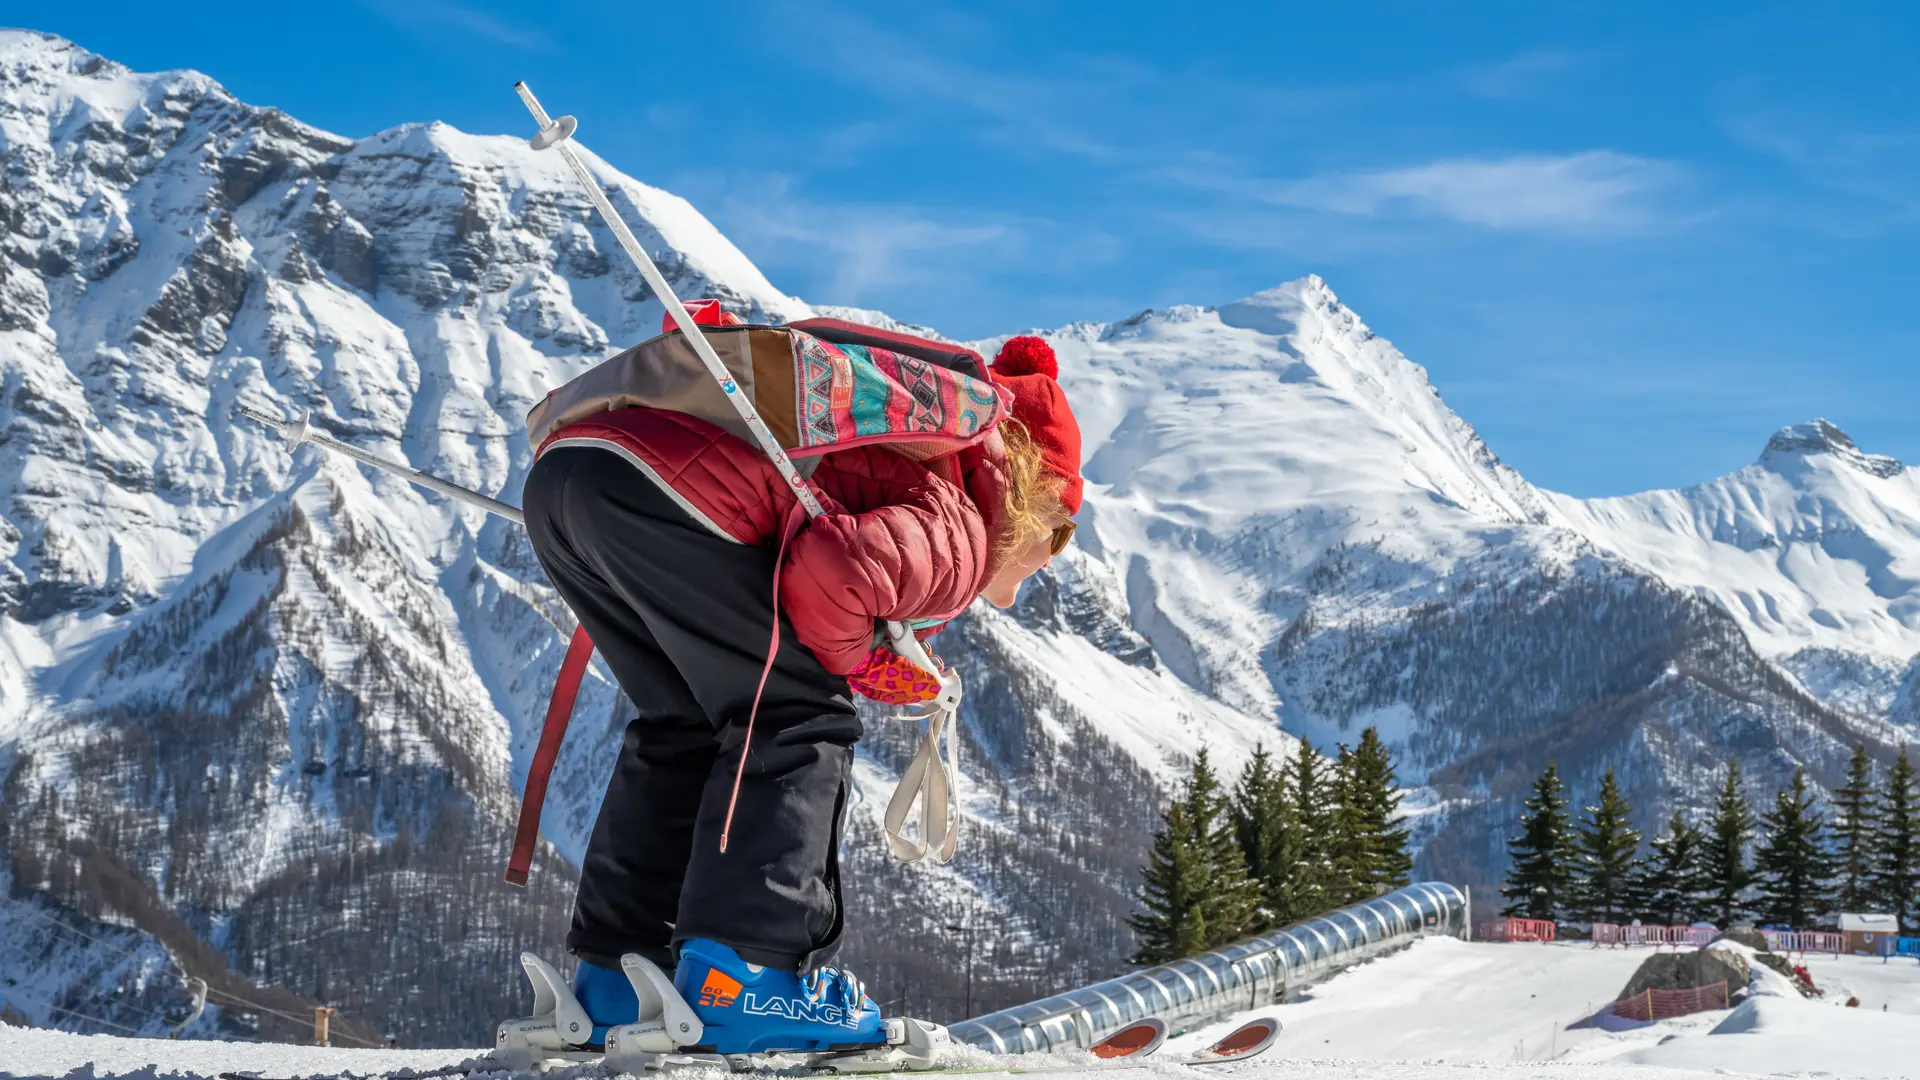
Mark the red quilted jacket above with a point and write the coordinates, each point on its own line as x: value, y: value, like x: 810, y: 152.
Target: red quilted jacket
x: 902, y: 540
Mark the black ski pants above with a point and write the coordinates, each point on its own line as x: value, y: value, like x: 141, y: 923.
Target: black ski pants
x: 683, y: 617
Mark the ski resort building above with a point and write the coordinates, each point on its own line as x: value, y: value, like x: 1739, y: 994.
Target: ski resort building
x: 1864, y: 932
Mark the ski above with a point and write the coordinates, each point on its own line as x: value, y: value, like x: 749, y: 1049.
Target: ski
x: 1136, y: 1040
x: 465, y: 1068
x: 1133, y: 1047
x: 1129, y: 1047
x: 1249, y: 1040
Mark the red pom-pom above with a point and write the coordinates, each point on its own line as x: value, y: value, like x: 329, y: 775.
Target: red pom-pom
x: 1026, y: 355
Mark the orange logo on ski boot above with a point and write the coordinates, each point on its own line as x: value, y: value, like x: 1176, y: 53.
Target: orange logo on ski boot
x: 719, y: 990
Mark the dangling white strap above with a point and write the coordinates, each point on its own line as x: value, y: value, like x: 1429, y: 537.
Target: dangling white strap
x: 930, y: 777
x: 934, y: 779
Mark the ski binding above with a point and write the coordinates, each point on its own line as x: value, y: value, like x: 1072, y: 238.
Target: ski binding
x: 560, y: 1033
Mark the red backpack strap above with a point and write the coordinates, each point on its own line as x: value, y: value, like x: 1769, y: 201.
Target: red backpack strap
x: 559, y: 711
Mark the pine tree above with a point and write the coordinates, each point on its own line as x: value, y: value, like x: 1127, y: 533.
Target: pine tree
x: 1236, y: 899
x: 1347, y: 849
x: 1263, y: 825
x: 1855, y: 808
x: 1373, y: 791
x: 1791, y: 863
x: 1542, y: 854
x: 1671, y: 885
x: 1609, y: 850
x: 1195, y: 889
x: 1309, y: 800
x: 1896, y: 874
x: 1725, y: 859
x: 1173, y: 893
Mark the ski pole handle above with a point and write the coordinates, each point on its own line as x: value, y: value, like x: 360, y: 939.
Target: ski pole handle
x: 900, y: 638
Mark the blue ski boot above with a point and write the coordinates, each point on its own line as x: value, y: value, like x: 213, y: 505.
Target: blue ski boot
x: 607, y: 996
x: 750, y: 1009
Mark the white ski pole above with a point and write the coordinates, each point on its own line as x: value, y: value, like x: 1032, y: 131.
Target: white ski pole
x: 299, y: 431
x: 555, y: 134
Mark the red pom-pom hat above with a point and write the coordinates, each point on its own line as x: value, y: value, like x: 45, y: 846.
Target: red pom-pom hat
x: 1027, y: 366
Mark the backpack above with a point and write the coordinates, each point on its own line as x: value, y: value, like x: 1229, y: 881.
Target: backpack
x: 820, y: 385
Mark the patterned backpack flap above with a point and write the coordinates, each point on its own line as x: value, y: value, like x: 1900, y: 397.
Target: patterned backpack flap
x: 816, y: 396
x: 850, y: 395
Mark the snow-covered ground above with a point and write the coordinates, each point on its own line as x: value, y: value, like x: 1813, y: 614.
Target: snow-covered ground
x: 1893, y: 986
x: 1442, y: 1008
x: 1444, y: 999
x: 29, y: 1053
x: 1452, y: 1001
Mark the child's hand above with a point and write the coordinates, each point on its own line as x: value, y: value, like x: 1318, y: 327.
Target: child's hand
x: 892, y: 679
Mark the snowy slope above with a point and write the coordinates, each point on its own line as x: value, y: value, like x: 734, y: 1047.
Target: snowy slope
x: 1304, y: 529
x: 1816, y: 545
x: 1228, y: 449
x: 1453, y: 1001
x: 36, y: 1055
x: 1459, y: 1002
x: 1231, y: 451
x: 1441, y: 1008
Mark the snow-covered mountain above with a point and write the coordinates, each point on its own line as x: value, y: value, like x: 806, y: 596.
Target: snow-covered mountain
x: 1305, y: 530
x: 1233, y: 447
x: 273, y: 711
x: 1815, y: 549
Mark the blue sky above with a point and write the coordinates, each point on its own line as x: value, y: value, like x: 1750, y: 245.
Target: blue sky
x: 1627, y: 244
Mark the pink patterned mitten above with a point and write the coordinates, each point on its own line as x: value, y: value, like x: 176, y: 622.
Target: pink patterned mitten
x: 892, y: 679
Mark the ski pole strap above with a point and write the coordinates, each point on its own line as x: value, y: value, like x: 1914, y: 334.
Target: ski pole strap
x: 935, y: 782
x: 559, y: 711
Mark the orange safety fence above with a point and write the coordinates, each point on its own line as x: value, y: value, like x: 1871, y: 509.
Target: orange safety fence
x: 1516, y: 930
x: 1650, y: 1005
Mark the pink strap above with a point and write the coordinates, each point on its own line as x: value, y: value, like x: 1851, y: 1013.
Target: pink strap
x: 795, y: 516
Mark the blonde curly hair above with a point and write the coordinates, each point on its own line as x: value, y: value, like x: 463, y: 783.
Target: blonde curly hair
x: 1033, y: 491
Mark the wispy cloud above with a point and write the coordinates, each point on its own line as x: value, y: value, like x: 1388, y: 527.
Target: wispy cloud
x: 438, y: 15
x: 1102, y: 108
x: 1594, y: 191
x: 878, y: 254
x: 1881, y: 167
x: 865, y: 245
x: 1516, y: 76
x: 1039, y: 110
